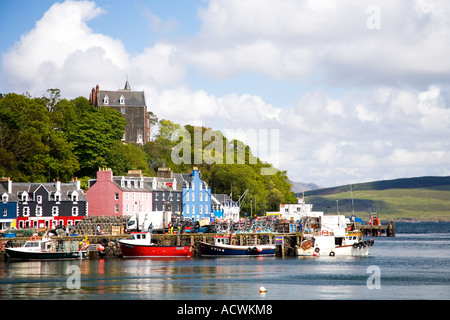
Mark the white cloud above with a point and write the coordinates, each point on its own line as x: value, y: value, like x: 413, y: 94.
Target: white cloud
x: 373, y: 129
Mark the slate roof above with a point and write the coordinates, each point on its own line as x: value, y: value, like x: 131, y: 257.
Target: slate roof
x: 66, y: 189
x: 132, y: 98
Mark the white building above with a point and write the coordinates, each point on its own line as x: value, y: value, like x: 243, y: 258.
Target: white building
x: 296, y: 211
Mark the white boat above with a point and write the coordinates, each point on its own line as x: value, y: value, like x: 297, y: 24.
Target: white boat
x: 330, y: 243
x: 45, y: 249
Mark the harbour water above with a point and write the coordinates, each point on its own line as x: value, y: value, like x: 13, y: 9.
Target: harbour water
x: 413, y: 265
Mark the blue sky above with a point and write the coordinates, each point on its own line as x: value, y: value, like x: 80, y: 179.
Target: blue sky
x: 358, y: 92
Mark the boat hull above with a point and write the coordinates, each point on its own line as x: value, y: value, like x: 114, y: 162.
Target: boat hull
x: 210, y: 250
x: 325, y: 246
x: 15, y: 254
x: 336, y: 251
x: 149, y: 251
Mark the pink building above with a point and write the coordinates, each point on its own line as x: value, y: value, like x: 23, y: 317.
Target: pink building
x: 118, y: 195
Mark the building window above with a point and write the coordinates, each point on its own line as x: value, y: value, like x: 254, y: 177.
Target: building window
x: 187, y: 209
x: 5, y: 212
x: 206, y: 209
x: 193, y: 209
x: 38, y: 211
x: 55, y: 211
x: 5, y: 198
x: 26, y: 211
x: 122, y: 100
x: 206, y: 197
x: 200, y: 197
x: 74, y: 211
x: 116, y: 196
x: 140, y: 136
x: 122, y: 110
x: 39, y: 199
x: 24, y: 197
x: 117, y: 208
x: 127, y: 208
x: 57, y: 197
x: 106, y: 100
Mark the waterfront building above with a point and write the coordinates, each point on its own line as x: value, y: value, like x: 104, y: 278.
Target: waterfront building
x: 47, y: 205
x: 296, y: 211
x: 133, y: 107
x: 167, y: 193
x: 196, y: 196
x: 8, y: 205
x: 132, y: 194
x: 110, y: 195
x: 223, y: 207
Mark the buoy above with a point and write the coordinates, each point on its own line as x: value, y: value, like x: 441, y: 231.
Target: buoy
x: 262, y: 290
x: 100, y: 247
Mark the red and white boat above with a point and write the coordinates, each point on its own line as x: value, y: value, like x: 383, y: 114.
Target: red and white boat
x: 140, y: 246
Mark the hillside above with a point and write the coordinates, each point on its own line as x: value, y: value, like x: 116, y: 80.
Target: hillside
x: 410, y: 199
x: 301, y: 186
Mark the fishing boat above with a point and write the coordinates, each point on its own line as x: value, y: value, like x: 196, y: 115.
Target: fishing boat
x: 46, y: 249
x: 334, y: 243
x: 222, y: 248
x: 140, y: 246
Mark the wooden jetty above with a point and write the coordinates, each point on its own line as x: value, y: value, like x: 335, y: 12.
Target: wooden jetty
x: 387, y: 230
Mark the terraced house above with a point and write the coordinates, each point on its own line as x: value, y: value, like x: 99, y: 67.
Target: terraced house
x: 196, y: 196
x: 8, y: 205
x: 131, y: 194
x: 46, y: 205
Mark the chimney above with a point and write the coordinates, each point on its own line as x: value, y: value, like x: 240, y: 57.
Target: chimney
x: 104, y: 174
x: 58, y: 186
x: 165, y: 173
x: 76, y: 183
x: 135, y: 173
x: 7, y: 184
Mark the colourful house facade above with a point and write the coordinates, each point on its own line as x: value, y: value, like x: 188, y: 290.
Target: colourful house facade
x: 196, y: 196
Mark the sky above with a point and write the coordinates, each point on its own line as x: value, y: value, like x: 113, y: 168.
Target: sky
x: 337, y: 92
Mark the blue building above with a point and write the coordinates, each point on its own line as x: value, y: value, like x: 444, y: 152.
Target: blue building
x: 8, y: 205
x: 196, y: 196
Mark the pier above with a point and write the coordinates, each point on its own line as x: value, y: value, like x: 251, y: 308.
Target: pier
x: 387, y: 230
x: 286, y: 238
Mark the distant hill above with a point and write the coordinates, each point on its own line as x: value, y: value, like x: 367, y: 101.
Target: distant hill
x: 408, y: 199
x: 298, y: 187
x: 403, y: 183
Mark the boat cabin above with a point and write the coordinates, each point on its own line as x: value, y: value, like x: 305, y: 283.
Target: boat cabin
x: 221, y: 240
x: 140, y: 235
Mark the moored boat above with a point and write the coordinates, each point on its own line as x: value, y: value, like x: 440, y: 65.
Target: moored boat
x: 222, y: 247
x: 141, y: 246
x: 329, y: 243
x: 45, y: 249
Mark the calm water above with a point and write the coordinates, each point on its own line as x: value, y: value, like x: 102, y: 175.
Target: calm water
x: 413, y: 265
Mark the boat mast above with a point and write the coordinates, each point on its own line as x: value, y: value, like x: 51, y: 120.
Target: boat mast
x: 351, y: 193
